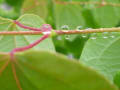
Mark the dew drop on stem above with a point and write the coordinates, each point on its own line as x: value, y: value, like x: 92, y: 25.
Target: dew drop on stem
x: 46, y: 32
x: 59, y: 38
x: 112, y: 35
x: 79, y: 27
x: 93, y: 36
x: 88, y: 28
x: 67, y: 37
x: 85, y: 35
x: 105, y: 35
x: 65, y: 27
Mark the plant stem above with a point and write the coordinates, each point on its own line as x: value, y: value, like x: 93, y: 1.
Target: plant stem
x: 105, y: 3
x: 26, y: 27
x: 43, y: 28
x: 62, y: 32
x: 27, y: 47
x: 46, y: 31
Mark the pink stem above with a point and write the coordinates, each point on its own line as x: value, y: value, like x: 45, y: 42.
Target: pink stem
x: 45, y: 29
x: 26, y: 27
x: 27, y: 47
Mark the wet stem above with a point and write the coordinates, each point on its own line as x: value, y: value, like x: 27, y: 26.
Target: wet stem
x: 46, y: 31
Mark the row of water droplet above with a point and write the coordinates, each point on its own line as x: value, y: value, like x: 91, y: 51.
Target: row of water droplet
x: 93, y: 36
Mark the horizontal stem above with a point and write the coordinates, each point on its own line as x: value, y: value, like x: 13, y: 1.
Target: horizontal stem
x: 104, y: 3
x: 62, y: 32
x: 21, y: 33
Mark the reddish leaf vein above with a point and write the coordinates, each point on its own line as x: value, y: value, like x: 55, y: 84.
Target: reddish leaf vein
x: 15, y: 76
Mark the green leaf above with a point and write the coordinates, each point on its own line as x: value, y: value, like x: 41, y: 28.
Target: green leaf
x: 7, y: 43
x: 8, y: 9
x: 117, y: 79
x: 105, y: 16
x: 71, y: 15
x: 41, y: 70
x: 38, y: 7
x: 16, y: 4
x: 68, y: 14
x: 9, y: 14
x: 1, y: 1
x: 103, y: 54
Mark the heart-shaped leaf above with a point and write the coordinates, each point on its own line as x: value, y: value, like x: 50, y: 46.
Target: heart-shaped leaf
x: 103, y: 54
x: 41, y: 70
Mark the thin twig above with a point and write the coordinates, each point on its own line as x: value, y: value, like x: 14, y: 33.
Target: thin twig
x: 61, y: 32
x: 88, y: 2
x: 27, y: 47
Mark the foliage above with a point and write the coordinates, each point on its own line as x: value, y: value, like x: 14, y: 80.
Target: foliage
x: 48, y: 71
x: 88, y: 61
x: 117, y: 79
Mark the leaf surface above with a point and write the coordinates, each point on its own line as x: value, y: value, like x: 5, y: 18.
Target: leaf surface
x: 108, y: 15
x: 103, y: 55
x: 48, y: 71
x: 38, y: 7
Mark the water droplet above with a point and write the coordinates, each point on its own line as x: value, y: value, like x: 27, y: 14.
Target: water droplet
x: 88, y: 28
x: 112, y: 36
x: 67, y: 37
x: 65, y: 27
x: 48, y: 32
x: 59, y: 38
x: 93, y: 36
x: 84, y: 35
x: 79, y: 27
x: 105, y: 35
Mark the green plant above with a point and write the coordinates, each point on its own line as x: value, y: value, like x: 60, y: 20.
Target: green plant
x: 85, y: 32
